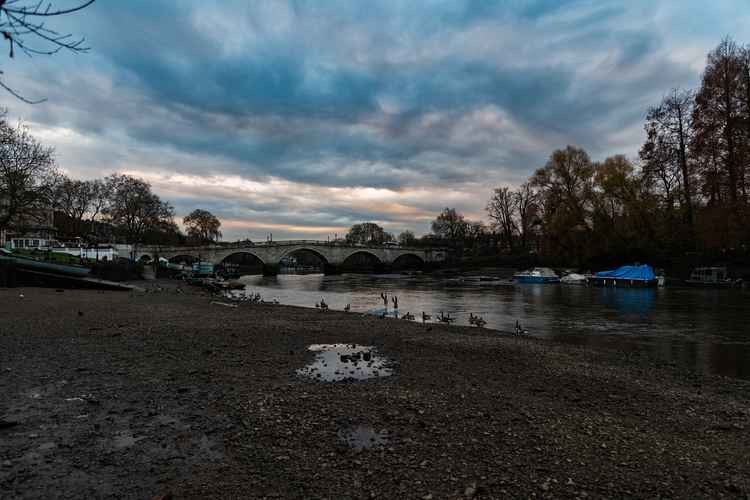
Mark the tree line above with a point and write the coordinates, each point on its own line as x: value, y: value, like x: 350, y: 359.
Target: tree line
x: 685, y: 193
x: 118, y: 207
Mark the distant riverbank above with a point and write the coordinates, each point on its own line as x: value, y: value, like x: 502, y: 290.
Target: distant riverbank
x: 144, y: 394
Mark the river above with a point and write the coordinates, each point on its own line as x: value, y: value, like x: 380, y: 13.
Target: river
x: 705, y: 330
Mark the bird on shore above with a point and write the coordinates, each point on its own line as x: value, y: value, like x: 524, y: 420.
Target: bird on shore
x: 425, y: 317
x: 519, y: 330
x: 394, y: 299
x: 445, y: 319
x: 347, y: 308
x: 408, y: 316
x: 323, y: 305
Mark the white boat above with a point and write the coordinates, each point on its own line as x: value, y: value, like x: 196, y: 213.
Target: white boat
x: 537, y: 275
x: 574, y: 279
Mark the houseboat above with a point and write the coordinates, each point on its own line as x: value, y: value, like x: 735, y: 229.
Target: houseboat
x: 626, y: 276
x: 711, y: 277
x: 537, y: 275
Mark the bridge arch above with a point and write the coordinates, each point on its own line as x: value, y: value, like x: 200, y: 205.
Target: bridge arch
x: 408, y: 261
x: 240, y: 263
x: 362, y: 260
x: 324, y: 261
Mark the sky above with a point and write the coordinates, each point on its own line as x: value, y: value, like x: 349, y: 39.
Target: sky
x: 301, y: 118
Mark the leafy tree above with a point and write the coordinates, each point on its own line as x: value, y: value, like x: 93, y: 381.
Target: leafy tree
x: 27, y: 177
x: 565, y: 191
x: 450, y: 225
x: 367, y: 233
x: 135, y: 209
x: 202, y: 226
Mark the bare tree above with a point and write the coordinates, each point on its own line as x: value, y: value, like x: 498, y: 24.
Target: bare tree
x: 502, y: 209
x: 525, y: 199
x: 368, y: 233
x: 202, y: 226
x: 450, y: 225
x: 27, y: 177
x: 74, y: 198
x: 24, y: 25
x: 406, y: 238
x: 135, y: 209
x: 669, y: 128
x: 101, y: 196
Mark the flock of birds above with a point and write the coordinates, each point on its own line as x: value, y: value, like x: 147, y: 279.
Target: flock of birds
x: 474, y: 320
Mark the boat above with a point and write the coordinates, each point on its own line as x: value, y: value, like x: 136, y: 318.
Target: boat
x: 537, y: 275
x: 574, y: 279
x: 639, y: 276
x: 9, y: 258
x: 711, y: 277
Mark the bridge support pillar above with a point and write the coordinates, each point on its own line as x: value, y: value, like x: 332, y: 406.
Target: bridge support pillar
x: 270, y: 269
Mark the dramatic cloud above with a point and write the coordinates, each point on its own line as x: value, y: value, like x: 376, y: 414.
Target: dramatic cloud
x: 302, y: 118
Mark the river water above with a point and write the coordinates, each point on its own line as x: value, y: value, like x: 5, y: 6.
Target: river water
x: 705, y: 330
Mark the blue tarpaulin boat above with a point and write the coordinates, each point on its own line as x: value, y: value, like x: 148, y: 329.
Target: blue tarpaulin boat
x: 626, y: 276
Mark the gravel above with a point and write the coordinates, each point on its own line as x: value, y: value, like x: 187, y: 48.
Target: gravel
x: 162, y: 394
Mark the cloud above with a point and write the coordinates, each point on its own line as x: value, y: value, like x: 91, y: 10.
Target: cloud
x: 304, y: 114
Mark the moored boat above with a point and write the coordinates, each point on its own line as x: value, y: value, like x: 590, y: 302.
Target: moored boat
x: 626, y: 276
x: 574, y: 279
x: 711, y: 277
x: 537, y: 275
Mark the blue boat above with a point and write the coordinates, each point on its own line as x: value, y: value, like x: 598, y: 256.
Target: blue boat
x: 626, y: 276
x: 537, y: 275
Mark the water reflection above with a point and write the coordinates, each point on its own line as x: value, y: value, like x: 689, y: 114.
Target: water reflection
x: 706, y: 330
x: 336, y: 362
x: 362, y: 437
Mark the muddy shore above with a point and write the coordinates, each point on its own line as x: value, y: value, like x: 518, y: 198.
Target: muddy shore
x: 140, y: 395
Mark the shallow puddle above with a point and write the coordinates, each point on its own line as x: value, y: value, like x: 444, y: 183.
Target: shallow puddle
x: 335, y: 362
x: 363, y: 436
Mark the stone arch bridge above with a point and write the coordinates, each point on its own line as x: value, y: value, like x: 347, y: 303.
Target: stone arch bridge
x: 270, y: 254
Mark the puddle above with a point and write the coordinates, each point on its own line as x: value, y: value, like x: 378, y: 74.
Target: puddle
x: 363, y: 437
x: 125, y: 439
x: 335, y: 362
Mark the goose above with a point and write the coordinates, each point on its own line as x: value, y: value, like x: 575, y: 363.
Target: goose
x: 445, y: 319
x: 519, y: 330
